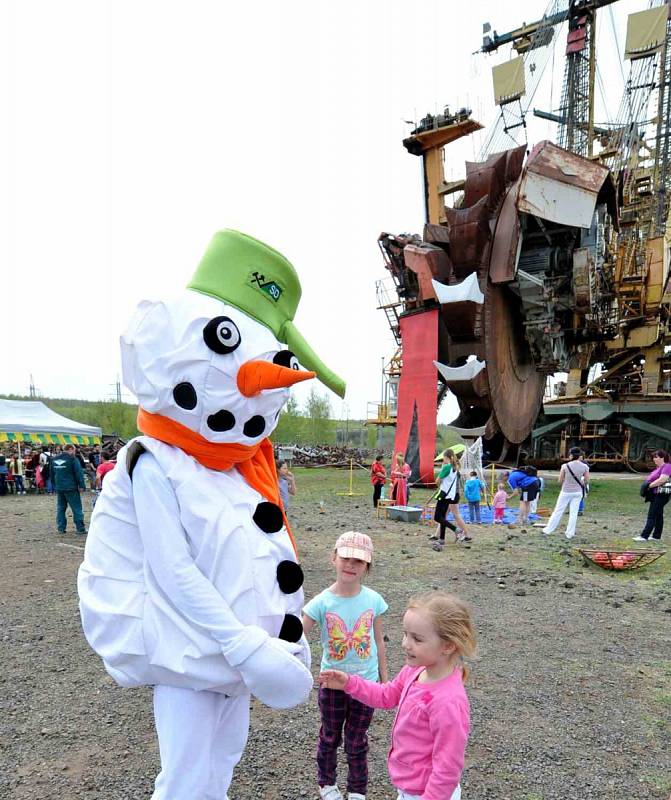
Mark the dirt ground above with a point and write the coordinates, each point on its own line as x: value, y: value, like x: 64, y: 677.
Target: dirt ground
x: 570, y: 692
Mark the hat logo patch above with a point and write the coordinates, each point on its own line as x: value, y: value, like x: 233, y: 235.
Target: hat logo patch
x: 271, y: 288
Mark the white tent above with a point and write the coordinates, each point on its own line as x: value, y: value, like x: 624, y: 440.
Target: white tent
x: 32, y: 421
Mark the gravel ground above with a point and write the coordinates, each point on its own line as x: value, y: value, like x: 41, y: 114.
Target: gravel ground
x: 570, y: 692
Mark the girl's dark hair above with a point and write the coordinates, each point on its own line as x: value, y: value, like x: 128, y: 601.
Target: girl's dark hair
x: 379, y: 457
x: 662, y: 454
x: 280, y: 464
x: 575, y: 452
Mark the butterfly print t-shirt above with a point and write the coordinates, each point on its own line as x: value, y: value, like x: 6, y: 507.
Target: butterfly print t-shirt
x: 346, y: 626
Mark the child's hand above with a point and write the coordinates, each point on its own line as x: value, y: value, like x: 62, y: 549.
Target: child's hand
x: 333, y: 679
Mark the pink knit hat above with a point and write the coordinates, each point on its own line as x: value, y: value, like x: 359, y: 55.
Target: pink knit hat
x: 355, y: 545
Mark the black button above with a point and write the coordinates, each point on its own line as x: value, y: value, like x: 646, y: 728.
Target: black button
x: 268, y: 517
x: 292, y: 629
x: 289, y: 576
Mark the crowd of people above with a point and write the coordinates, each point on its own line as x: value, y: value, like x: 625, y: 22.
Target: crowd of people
x: 68, y: 469
x: 26, y: 469
x: 523, y: 482
x: 64, y: 471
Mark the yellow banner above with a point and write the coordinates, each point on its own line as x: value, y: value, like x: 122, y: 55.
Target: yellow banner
x: 47, y: 438
x: 508, y: 81
x: 646, y: 31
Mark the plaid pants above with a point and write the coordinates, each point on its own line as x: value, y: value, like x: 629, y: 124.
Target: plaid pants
x: 338, y: 709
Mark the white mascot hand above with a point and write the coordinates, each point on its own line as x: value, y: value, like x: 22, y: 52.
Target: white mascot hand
x: 304, y: 653
x: 275, y: 674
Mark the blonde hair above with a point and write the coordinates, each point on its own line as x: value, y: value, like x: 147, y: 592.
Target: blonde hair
x: 400, y: 459
x: 502, y: 486
x: 452, y: 620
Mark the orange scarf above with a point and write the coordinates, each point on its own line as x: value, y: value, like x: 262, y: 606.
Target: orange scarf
x: 256, y: 463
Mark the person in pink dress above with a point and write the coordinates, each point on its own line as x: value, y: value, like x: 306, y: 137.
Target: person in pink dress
x: 400, y: 472
x: 430, y: 732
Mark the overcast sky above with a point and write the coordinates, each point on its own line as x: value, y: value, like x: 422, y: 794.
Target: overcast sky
x: 131, y: 130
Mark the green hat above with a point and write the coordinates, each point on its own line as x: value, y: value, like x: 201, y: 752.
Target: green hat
x: 258, y: 280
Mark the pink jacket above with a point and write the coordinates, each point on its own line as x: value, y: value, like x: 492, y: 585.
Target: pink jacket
x: 430, y: 731
x: 500, y: 499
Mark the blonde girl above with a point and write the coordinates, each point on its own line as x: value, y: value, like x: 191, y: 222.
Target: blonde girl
x: 349, y: 616
x: 430, y: 732
x: 400, y: 472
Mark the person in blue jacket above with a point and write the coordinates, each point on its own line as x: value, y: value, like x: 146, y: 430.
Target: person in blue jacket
x: 473, y: 489
x: 525, y: 484
x: 68, y: 478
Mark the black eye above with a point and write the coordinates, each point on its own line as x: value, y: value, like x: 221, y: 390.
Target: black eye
x: 285, y: 358
x: 221, y: 334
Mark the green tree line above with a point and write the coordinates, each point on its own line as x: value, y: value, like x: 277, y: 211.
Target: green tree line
x: 310, y: 425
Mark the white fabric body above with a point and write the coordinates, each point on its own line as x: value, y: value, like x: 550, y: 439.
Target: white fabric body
x: 201, y: 738
x: 456, y: 795
x: 178, y: 584
x: 572, y: 500
x: 179, y: 587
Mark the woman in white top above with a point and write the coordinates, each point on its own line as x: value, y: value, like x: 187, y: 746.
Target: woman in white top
x: 574, y: 480
x: 448, y: 501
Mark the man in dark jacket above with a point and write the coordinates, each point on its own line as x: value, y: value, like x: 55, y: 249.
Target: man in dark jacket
x: 68, y: 479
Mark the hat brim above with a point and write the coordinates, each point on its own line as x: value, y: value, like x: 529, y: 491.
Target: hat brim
x: 354, y: 552
x: 310, y: 360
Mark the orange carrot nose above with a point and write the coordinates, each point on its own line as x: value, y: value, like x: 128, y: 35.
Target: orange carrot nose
x: 254, y: 376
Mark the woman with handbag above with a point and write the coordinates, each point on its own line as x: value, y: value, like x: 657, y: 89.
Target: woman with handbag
x: 574, y: 480
x: 448, y: 501
x: 657, y: 494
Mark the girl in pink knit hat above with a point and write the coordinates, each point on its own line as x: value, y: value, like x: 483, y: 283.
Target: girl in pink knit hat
x: 349, y: 616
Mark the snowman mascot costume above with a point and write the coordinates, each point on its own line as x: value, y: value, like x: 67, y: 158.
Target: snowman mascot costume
x: 190, y: 581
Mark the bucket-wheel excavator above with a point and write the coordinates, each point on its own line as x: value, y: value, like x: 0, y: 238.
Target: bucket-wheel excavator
x: 550, y: 260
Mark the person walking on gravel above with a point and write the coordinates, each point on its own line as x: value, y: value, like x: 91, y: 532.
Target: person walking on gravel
x: 448, y: 501
x: 574, y: 480
x: 68, y: 479
x: 658, y: 481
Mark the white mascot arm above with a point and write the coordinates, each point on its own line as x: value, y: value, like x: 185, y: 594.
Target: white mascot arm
x: 269, y: 666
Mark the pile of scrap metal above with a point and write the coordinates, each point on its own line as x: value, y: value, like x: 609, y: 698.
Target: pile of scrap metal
x: 324, y: 456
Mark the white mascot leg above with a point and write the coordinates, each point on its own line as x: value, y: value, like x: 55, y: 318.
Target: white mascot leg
x: 229, y: 744
x: 201, y: 737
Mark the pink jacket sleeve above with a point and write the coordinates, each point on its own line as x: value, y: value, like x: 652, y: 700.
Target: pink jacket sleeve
x: 377, y: 695
x: 449, y: 725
